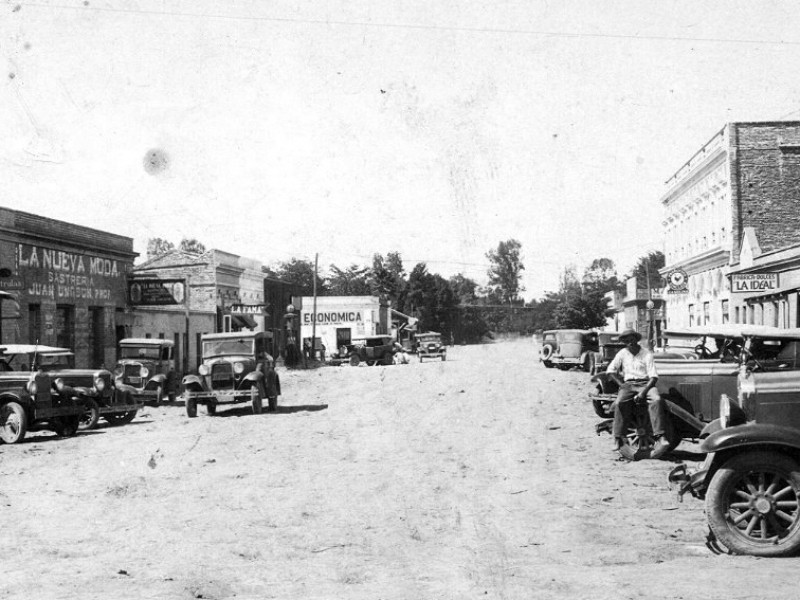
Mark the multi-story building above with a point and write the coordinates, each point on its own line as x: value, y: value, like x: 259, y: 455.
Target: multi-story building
x: 746, y: 178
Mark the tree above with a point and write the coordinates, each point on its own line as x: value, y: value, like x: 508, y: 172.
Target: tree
x: 299, y: 273
x: 464, y: 288
x: 601, y: 276
x: 191, y: 246
x: 649, y: 265
x: 158, y: 246
x: 505, y: 271
x: 352, y: 281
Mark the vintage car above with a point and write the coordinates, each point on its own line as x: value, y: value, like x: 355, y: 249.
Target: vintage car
x: 95, y: 389
x: 696, y: 368
x: 429, y: 345
x: 750, y: 479
x: 608, y: 345
x: 373, y: 350
x: 236, y: 367
x: 148, y: 366
x: 567, y: 348
x: 29, y: 402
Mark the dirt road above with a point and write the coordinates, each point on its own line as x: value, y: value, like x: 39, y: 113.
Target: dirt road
x: 479, y: 477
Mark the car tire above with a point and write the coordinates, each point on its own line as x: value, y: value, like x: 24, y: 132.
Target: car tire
x: 159, y: 395
x: 13, y: 423
x: 444, y: 358
x: 603, y: 408
x: 66, y: 426
x: 211, y: 408
x: 547, y: 352
x: 256, y: 399
x: 273, y: 404
x: 90, y: 416
x: 354, y: 360
x: 547, y: 364
x: 120, y: 418
x: 765, y: 485
x: 587, y: 363
x: 191, y: 408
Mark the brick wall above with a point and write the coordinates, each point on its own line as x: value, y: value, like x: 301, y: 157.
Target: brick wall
x: 765, y: 161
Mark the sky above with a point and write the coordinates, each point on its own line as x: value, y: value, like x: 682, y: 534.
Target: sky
x: 340, y: 129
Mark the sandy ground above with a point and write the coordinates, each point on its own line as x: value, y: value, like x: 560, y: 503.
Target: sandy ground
x: 479, y: 477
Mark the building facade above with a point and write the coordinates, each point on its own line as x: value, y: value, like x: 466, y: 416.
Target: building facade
x: 181, y: 296
x: 338, y: 320
x: 68, y: 283
x: 747, y: 177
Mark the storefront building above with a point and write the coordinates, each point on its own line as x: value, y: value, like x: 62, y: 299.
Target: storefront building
x: 180, y: 296
x: 746, y: 176
x: 338, y: 320
x: 68, y: 284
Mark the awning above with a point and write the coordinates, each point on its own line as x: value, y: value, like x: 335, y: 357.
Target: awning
x: 7, y: 296
x: 245, y: 321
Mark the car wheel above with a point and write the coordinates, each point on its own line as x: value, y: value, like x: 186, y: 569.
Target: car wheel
x: 640, y: 435
x: 587, y: 363
x: 90, y: 416
x: 256, y: 399
x: 547, y: 364
x: 354, y: 360
x: 67, y: 426
x: 273, y: 403
x: 191, y: 407
x: 547, y: 352
x: 13, y: 423
x: 753, y: 504
x: 211, y: 407
x: 120, y: 418
x: 603, y: 408
x: 444, y: 358
x: 159, y: 395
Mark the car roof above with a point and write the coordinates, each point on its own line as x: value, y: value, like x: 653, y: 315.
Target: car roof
x: 735, y: 330
x: 569, y: 331
x: 146, y: 342
x: 31, y: 348
x: 235, y: 334
x: 428, y: 333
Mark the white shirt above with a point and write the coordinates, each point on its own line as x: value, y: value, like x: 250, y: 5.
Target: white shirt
x: 638, y: 366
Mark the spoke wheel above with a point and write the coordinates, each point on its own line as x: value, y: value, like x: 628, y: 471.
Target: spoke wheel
x: 90, y: 416
x: 753, y: 504
x: 13, y: 423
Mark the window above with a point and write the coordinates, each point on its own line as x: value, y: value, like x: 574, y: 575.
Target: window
x: 736, y: 314
x: 65, y: 326
x: 691, y: 315
x: 706, y: 313
x: 34, y: 323
x: 725, y: 309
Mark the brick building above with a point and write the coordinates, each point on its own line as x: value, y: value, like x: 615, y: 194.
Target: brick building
x: 180, y: 296
x: 745, y: 179
x: 67, y: 283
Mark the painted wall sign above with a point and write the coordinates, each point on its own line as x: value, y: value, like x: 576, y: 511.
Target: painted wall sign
x: 333, y: 317
x: 68, y: 276
x: 754, y: 282
x: 248, y: 309
x: 157, y: 292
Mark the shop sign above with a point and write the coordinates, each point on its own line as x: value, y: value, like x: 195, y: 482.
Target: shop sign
x: 333, y: 317
x: 677, y: 282
x: 248, y: 309
x: 11, y: 283
x: 61, y: 275
x: 157, y: 292
x: 754, y: 282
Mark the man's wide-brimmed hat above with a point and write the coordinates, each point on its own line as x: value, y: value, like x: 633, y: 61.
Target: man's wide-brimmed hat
x: 630, y: 333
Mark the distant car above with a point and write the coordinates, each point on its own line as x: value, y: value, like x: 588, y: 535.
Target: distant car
x: 429, y: 345
x: 608, y: 345
x: 236, y: 368
x: 567, y: 348
x: 373, y: 350
x: 94, y: 388
x: 148, y: 366
x: 28, y: 402
x: 750, y: 479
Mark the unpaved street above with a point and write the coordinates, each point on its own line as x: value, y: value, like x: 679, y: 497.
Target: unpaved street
x: 479, y: 477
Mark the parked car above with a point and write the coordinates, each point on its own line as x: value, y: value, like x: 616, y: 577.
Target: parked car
x: 236, y: 367
x: 95, y: 389
x: 373, y: 350
x: 608, y: 345
x: 429, y: 345
x: 148, y: 366
x: 750, y: 479
x: 567, y: 348
x: 695, y: 370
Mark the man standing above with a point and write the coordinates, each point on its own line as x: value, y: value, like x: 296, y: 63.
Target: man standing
x: 637, y: 382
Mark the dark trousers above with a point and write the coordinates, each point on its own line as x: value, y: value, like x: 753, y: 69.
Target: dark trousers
x: 623, y: 411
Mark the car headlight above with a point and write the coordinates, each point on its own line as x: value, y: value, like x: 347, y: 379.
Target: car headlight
x: 202, y: 369
x: 99, y: 384
x: 238, y: 368
x: 59, y: 383
x: 730, y: 413
x: 32, y: 387
x: 144, y: 371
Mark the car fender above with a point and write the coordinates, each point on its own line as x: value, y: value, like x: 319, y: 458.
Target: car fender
x: 606, y: 383
x: 751, y: 434
x: 193, y: 383
x: 254, y: 376
x: 25, y: 401
x: 156, y: 380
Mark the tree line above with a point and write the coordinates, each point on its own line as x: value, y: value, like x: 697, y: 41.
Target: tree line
x: 457, y: 306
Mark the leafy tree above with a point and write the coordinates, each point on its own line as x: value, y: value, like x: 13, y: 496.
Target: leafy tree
x: 298, y: 272
x: 464, y: 288
x: 506, y: 270
x: 191, y: 246
x: 601, y: 276
x: 352, y: 281
x: 649, y: 265
x: 158, y: 246
x: 386, y: 278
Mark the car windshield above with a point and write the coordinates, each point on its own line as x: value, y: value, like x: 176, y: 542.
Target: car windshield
x: 58, y: 361
x: 139, y: 352
x: 227, y: 346
x: 572, y: 336
x: 430, y: 338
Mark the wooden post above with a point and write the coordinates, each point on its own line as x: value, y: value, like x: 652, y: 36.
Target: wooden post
x: 314, y: 310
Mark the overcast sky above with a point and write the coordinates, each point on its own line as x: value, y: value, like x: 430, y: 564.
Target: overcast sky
x: 347, y: 128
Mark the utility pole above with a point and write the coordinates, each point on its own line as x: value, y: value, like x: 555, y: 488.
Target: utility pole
x: 314, y: 310
x: 650, y: 306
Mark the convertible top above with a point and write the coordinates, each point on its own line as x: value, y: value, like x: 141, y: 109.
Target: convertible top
x: 732, y: 330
